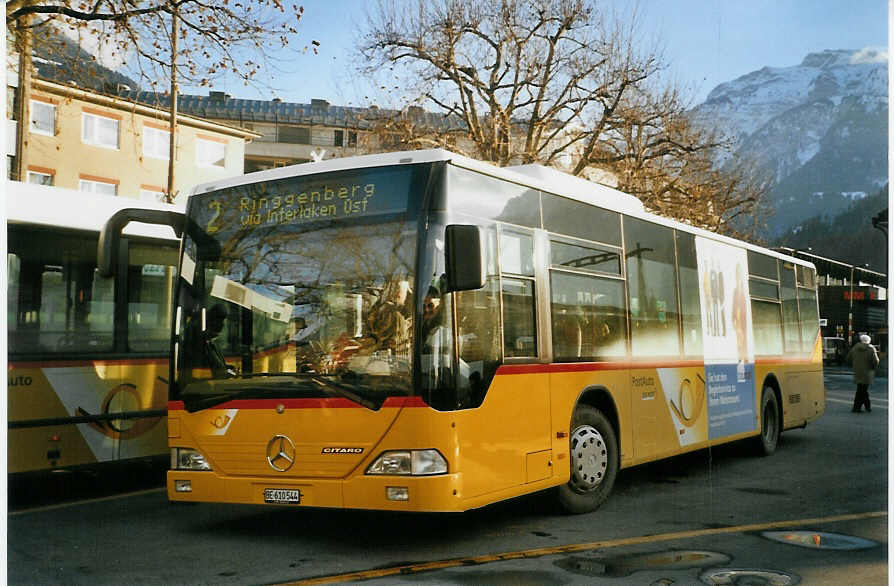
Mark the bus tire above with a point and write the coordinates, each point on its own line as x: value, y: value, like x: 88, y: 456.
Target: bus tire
x: 594, y: 460
x: 771, y: 423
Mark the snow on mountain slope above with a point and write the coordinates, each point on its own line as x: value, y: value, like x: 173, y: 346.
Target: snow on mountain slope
x: 819, y: 126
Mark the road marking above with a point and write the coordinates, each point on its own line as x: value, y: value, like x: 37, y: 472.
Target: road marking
x: 86, y: 502
x: 875, y: 403
x: 576, y: 547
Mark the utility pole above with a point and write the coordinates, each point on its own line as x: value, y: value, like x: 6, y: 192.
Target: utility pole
x: 22, y: 112
x: 880, y: 222
x: 172, y: 149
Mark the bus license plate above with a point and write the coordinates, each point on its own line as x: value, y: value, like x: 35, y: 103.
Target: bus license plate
x: 282, y: 496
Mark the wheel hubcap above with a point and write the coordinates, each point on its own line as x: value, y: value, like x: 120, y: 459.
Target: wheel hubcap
x: 589, y: 458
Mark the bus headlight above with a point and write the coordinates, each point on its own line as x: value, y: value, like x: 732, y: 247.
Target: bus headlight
x: 188, y: 459
x: 409, y: 463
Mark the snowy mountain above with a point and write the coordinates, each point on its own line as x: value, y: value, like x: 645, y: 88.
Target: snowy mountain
x: 820, y: 128
x: 61, y: 59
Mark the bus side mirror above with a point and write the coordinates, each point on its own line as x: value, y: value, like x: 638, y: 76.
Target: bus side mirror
x: 110, y: 236
x: 464, y: 258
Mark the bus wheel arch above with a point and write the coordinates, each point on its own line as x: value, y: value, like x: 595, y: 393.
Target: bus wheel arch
x: 771, y: 417
x: 771, y: 382
x: 594, y: 453
x: 600, y: 398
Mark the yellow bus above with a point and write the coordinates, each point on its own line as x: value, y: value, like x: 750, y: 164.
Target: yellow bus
x: 420, y: 331
x: 87, y: 362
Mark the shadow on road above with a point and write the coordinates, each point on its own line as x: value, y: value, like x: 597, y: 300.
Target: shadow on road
x: 39, y: 489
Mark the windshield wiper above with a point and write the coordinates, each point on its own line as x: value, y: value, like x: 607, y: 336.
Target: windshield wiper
x: 217, y: 389
x: 345, y: 391
x: 195, y: 403
x: 205, y: 394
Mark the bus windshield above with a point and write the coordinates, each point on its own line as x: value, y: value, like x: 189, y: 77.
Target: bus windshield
x: 299, y: 288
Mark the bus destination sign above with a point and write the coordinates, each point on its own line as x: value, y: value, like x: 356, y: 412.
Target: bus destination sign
x: 298, y: 201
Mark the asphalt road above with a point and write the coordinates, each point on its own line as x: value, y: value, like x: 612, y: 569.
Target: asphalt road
x: 688, y: 520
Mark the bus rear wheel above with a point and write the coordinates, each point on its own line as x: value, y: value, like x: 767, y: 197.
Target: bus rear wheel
x: 771, y: 423
x: 594, y: 461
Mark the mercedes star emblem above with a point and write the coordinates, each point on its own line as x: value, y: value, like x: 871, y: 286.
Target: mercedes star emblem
x: 280, y: 453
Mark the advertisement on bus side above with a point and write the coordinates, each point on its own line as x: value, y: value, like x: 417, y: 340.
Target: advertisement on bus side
x: 728, y: 338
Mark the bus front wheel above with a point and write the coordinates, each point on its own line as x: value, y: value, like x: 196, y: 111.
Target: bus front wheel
x: 771, y: 423
x: 594, y: 461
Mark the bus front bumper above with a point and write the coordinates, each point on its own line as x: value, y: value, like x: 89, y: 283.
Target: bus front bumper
x: 391, y: 493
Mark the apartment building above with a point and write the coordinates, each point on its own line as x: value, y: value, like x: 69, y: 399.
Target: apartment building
x: 92, y: 142
x: 297, y: 133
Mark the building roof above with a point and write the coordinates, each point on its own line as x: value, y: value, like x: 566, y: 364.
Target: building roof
x: 221, y: 106
x: 125, y: 102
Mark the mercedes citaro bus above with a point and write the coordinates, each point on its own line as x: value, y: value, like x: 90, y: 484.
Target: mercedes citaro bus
x: 421, y: 331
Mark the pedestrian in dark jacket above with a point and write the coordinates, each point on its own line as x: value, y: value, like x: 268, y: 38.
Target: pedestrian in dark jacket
x: 864, y: 360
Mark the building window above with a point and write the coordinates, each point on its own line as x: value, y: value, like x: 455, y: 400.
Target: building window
x: 40, y: 178
x: 43, y: 118
x: 294, y: 134
x: 210, y: 153
x: 11, y: 101
x: 156, y: 143
x: 98, y: 187
x: 340, y: 138
x: 99, y: 131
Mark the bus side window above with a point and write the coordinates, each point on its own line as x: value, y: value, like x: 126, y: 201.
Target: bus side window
x: 809, y: 318
x: 13, y: 275
x: 651, y: 288
x: 60, y: 302
x: 767, y: 328
x: 478, y: 330
x: 589, y: 317
x: 151, y: 275
x: 519, y: 319
x: 687, y: 272
x: 479, y: 341
x: 766, y: 307
x: 791, y: 329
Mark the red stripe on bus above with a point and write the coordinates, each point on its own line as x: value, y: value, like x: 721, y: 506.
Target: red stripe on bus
x: 509, y: 369
x: 317, y: 403
x: 782, y: 360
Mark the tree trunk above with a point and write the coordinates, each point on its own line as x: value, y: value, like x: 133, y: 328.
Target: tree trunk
x: 172, y: 150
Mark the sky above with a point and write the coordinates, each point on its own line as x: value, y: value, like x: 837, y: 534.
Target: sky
x: 705, y: 42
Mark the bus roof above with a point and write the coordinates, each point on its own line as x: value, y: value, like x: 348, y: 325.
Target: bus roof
x: 41, y: 205
x: 534, y: 176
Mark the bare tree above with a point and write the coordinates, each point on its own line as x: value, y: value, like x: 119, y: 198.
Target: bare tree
x: 561, y: 83
x: 411, y: 128
x: 657, y: 152
x: 532, y: 80
x: 216, y: 38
